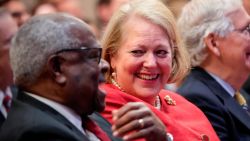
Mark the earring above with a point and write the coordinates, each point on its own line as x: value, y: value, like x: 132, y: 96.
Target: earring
x: 113, y: 80
x: 61, y: 79
x: 114, y: 75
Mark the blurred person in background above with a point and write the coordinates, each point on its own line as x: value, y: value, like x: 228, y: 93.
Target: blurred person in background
x: 217, y: 36
x: 246, y: 4
x: 44, y: 8
x: 105, y: 9
x: 175, y: 6
x: 17, y: 9
x: 73, y: 7
x: 8, y: 29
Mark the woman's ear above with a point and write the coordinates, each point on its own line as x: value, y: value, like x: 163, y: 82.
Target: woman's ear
x: 54, y: 67
x: 212, y: 43
x: 113, y: 61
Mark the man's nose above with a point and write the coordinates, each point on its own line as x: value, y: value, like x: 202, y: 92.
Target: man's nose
x: 104, y: 66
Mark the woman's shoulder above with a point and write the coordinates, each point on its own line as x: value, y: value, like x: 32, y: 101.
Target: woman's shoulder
x: 109, y: 87
x: 115, y: 95
x: 112, y: 93
x: 174, y: 99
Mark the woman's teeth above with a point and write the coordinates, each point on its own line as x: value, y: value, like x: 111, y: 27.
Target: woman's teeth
x: 148, y: 77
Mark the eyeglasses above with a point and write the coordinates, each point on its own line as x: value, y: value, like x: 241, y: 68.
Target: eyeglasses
x: 245, y: 31
x: 86, y: 53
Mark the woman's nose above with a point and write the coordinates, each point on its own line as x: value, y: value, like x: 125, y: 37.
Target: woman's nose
x: 150, y: 60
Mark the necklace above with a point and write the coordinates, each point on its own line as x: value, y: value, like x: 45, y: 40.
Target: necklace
x: 116, y: 84
x: 157, y: 103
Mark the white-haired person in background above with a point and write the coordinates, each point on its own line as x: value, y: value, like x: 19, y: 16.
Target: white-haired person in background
x: 217, y: 36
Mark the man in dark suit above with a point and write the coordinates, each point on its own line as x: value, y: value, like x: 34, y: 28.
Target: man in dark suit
x: 55, y: 61
x: 7, y: 30
x: 218, y: 42
x: 246, y: 86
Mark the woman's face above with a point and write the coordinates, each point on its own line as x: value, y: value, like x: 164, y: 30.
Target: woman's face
x: 143, y: 62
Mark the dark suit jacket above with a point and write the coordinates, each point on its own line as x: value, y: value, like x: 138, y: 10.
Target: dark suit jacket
x: 32, y: 120
x: 228, y: 118
x: 246, y: 92
x: 2, y: 118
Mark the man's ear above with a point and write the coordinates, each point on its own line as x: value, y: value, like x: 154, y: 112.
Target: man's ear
x: 212, y: 43
x: 54, y: 66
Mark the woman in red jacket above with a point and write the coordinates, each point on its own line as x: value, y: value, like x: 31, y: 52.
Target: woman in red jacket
x: 144, y: 50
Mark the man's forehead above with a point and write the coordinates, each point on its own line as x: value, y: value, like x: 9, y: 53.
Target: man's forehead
x: 86, y: 43
x: 81, y: 31
x: 234, y: 16
x: 91, y: 45
x: 89, y: 41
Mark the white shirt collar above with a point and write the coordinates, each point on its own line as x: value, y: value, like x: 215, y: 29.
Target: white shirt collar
x: 224, y: 84
x: 2, y: 94
x: 68, y: 113
x: 1, y: 97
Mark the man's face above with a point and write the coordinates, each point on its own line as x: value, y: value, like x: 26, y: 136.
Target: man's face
x: 235, y: 46
x: 18, y: 11
x: 246, y: 4
x: 106, y: 11
x: 81, y: 69
x: 7, y: 30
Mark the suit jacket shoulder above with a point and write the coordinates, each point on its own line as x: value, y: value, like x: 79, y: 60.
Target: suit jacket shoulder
x: 30, y: 119
x: 229, y: 120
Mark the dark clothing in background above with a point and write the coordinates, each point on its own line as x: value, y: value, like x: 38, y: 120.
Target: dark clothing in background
x: 229, y: 120
x: 32, y: 120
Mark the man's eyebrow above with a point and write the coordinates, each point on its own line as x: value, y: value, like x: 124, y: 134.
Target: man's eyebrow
x: 244, y: 26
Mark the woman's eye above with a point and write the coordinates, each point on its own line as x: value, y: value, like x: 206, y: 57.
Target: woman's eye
x: 161, y: 53
x: 137, y: 52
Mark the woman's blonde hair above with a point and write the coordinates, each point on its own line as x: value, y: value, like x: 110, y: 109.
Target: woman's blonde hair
x: 156, y: 12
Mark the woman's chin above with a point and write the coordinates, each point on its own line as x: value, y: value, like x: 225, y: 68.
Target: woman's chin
x: 147, y: 93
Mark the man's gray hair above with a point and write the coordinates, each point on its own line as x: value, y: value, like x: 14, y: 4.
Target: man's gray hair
x: 39, y: 38
x: 201, y: 17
